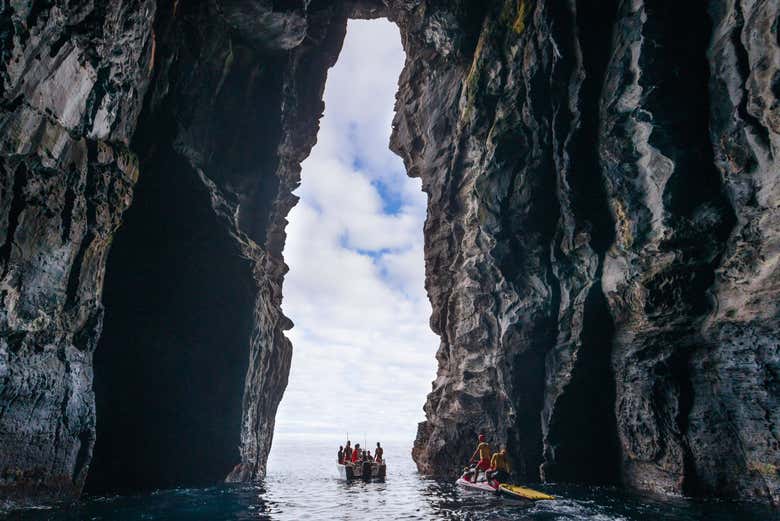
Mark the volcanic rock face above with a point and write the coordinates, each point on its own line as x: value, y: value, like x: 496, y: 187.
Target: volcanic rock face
x: 72, y: 77
x: 601, y: 244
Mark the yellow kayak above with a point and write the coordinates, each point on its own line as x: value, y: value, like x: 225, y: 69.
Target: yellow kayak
x: 517, y: 492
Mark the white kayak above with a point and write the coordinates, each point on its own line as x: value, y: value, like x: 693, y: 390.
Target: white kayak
x: 483, y: 486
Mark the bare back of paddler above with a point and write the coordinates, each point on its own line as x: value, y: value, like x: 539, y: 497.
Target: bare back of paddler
x: 482, y: 455
x: 499, y: 467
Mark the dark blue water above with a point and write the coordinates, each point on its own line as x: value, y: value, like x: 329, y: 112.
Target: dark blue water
x: 307, y: 488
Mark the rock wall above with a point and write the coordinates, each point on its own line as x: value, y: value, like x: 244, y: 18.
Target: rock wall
x: 734, y: 421
x: 517, y: 230
x: 72, y: 77
x: 601, y: 241
x: 233, y: 111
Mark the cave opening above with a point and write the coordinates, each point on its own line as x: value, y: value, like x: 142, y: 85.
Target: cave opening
x: 180, y: 320
x: 180, y: 293
x: 170, y: 366
x: 355, y: 289
x: 583, y: 445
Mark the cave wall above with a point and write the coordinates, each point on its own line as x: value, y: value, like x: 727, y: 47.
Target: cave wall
x: 72, y: 77
x: 601, y: 244
x: 602, y: 215
x: 232, y: 112
x: 734, y: 371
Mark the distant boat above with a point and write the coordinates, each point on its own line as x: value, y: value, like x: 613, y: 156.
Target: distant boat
x: 366, y: 470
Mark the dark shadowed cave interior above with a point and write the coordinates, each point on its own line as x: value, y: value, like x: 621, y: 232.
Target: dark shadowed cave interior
x: 179, y: 286
x: 171, y: 363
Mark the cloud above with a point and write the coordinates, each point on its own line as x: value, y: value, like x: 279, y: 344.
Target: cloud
x: 363, y: 356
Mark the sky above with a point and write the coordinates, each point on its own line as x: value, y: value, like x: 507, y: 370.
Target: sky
x: 363, y: 353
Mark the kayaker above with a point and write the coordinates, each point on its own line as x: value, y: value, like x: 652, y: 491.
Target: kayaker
x: 367, y: 456
x: 356, y: 454
x: 347, y: 453
x: 341, y: 455
x: 378, y: 453
x: 483, y: 452
x: 499, y: 467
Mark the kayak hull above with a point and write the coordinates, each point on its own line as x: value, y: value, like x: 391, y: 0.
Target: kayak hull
x: 365, y: 471
x: 505, y: 490
x: 522, y: 493
x: 482, y: 486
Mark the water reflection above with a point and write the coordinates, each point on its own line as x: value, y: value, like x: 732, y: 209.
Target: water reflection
x: 370, y: 501
x: 307, y: 488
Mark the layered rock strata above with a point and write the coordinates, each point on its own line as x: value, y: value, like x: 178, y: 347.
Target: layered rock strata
x: 72, y: 77
x: 608, y: 170
x: 601, y: 244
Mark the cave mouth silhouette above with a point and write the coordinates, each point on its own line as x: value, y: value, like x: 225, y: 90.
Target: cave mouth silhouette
x: 171, y: 364
x: 366, y: 306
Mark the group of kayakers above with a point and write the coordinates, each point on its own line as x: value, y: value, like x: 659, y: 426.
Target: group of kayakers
x: 496, y: 466
x: 347, y: 454
x: 495, y: 480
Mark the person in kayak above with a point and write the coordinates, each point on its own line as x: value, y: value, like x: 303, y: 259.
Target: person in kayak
x: 499, y: 467
x: 483, y: 452
x: 378, y: 453
x: 341, y: 455
x: 367, y: 456
x: 348, y: 452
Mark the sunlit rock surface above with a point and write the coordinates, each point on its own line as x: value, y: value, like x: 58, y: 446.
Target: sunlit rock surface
x: 601, y: 242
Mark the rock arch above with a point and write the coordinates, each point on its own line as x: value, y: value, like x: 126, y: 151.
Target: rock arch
x: 601, y: 240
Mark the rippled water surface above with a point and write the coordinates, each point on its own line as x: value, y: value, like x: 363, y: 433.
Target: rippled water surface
x: 307, y: 488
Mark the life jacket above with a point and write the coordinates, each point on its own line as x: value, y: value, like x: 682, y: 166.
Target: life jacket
x: 347, y: 454
x: 378, y: 453
x: 355, y: 455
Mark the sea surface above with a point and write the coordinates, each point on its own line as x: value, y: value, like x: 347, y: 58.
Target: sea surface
x: 307, y: 487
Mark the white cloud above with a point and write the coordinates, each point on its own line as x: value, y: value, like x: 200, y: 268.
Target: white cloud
x: 363, y: 354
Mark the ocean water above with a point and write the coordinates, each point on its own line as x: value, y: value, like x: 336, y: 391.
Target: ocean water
x: 307, y: 488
